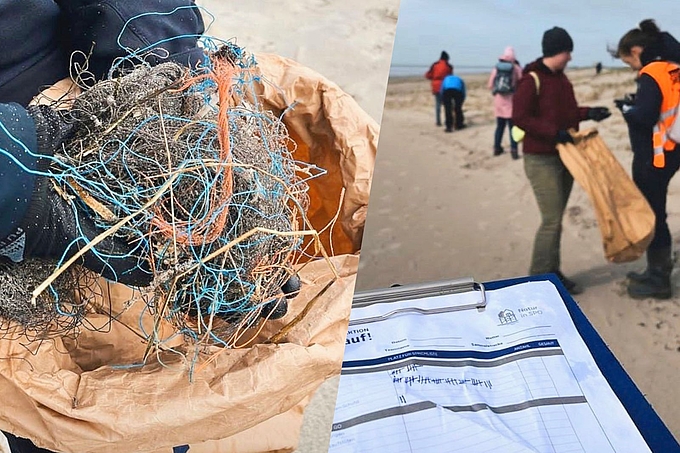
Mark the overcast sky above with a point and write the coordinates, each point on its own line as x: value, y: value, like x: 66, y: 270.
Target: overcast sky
x: 475, y: 32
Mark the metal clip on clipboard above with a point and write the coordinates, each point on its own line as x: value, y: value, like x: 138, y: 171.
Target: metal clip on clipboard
x: 418, y: 291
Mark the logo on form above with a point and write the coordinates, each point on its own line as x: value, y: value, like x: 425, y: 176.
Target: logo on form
x: 507, y: 317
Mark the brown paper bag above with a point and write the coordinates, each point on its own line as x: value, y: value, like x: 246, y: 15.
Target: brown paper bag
x: 71, y: 397
x: 625, y: 218
x: 81, y: 402
x: 324, y: 118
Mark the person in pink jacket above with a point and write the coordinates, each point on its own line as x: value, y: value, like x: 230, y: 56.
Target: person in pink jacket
x: 502, y: 83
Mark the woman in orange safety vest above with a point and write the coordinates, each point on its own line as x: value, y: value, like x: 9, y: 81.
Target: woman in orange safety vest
x: 649, y: 114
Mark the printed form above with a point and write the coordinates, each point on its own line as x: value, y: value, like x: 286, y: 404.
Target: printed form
x: 515, y: 377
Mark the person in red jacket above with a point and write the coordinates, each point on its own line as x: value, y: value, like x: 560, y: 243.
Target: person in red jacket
x: 437, y: 72
x: 546, y: 110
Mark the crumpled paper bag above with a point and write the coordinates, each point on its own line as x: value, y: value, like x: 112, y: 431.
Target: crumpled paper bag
x: 328, y: 119
x: 72, y: 397
x: 625, y: 218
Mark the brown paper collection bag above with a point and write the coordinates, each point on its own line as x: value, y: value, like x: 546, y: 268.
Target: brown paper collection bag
x: 71, y: 396
x: 328, y: 119
x: 625, y: 218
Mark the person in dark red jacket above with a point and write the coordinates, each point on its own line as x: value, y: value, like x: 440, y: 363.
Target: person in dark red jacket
x: 437, y: 72
x: 546, y: 111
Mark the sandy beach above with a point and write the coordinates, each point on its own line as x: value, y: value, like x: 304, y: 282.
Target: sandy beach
x: 443, y: 207
x: 348, y: 42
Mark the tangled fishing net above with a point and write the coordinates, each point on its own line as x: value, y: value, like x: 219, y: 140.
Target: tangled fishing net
x: 47, y: 316
x: 190, y: 170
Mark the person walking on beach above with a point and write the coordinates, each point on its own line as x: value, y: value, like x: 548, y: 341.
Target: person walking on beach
x: 545, y: 107
x: 436, y: 74
x: 502, y: 83
x: 656, y: 158
x: 453, y: 97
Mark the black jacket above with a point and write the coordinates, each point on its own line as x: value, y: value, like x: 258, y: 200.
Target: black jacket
x: 644, y: 115
x: 38, y: 38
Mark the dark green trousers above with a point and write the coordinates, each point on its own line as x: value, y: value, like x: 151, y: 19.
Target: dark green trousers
x: 551, y: 183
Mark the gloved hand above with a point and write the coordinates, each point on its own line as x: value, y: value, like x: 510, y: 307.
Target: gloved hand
x: 53, y: 225
x: 625, y: 104
x: 564, y: 137
x: 598, y: 113
x: 278, y: 308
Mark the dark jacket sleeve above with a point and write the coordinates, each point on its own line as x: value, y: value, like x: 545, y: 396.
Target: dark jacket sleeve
x: 108, y: 28
x: 645, y: 112
x: 524, y: 110
x: 18, y: 158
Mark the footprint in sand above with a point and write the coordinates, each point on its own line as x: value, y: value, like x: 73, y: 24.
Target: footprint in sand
x: 472, y: 165
x: 621, y: 288
x: 577, y: 217
x: 384, y: 14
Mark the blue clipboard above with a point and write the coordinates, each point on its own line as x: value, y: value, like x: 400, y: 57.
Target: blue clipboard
x: 650, y: 425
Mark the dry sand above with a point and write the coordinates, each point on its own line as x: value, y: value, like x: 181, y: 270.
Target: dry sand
x: 349, y: 42
x: 443, y: 207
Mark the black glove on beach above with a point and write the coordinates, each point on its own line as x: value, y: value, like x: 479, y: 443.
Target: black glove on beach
x: 564, y: 137
x: 598, y: 113
x: 52, y: 224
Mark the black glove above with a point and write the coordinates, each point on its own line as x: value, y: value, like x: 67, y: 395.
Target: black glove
x: 52, y: 224
x: 278, y: 308
x: 564, y: 137
x: 598, y: 113
x: 625, y: 104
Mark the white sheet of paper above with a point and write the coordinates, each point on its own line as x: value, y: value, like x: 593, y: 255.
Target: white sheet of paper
x: 516, y: 377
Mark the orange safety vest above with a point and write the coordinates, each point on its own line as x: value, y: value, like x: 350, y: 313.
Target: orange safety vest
x: 667, y: 77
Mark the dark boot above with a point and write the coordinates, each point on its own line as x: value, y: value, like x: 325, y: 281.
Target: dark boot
x: 655, y: 255
x: 514, y: 153
x: 498, y: 151
x: 655, y: 281
x: 638, y: 276
x: 572, y: 287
